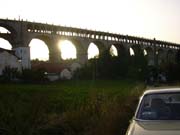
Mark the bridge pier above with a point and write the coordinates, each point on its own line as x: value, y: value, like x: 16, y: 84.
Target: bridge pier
x: 54, y: 54
x: 23, y: 54
x: 54, y: 51
x: 82, y: 57
x: 161, y: 57
x: 171, y: 56
x: 81, y: 50
x: 22, y: 51
x: 150, y: 59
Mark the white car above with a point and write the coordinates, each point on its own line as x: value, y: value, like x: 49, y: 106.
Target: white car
x: 158, y: 113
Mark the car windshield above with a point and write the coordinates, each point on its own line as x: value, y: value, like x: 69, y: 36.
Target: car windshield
x: 164, y: 106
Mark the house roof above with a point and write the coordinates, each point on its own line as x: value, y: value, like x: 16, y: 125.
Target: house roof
x: 49, y: 67
x: 9, y: 51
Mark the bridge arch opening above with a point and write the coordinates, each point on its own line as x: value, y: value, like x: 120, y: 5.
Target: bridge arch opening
x: 145, y: 52
x: 121, y: 50
x: 136, y: 50
x: 93, y: 51
x: 113, y: 51
x: 5, y: 44
x: 38, y: 50
x: 4, y: 30
x: 131, y: 52
x: 67, y: 49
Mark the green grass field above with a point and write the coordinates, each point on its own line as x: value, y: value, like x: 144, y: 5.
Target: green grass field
x: 68, y: 107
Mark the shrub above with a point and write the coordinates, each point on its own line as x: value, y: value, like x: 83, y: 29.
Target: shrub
x: 37, y: 76
x: 9, y: 74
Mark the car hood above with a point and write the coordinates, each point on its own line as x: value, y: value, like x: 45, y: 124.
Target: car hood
x: 154, y: 128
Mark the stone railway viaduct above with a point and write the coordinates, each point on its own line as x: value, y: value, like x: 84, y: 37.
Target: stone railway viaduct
x: 22, y: 32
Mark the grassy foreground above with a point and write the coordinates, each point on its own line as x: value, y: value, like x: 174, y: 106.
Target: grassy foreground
x: 101, y: 107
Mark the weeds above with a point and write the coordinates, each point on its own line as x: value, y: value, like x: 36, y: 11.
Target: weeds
x: 71, y: 108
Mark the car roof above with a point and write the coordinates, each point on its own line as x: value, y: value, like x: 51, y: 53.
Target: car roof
x: 162, y: 90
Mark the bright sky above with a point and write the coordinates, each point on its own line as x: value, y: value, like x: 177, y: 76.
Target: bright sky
x: 158, y: 19
x: 146, y: 18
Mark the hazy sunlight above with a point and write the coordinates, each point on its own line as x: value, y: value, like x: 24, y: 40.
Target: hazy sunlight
x: 67, y: 49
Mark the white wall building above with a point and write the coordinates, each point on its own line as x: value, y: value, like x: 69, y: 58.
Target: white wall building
x: 66, y: 74
x: 24, y: 54
x: 7, y: 58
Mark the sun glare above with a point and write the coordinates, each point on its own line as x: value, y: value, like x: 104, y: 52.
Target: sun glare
x: 113, y: 51
x: 5, y: 44
x: 67, y: 49
x: 93, y: 51
x: 39, y: 50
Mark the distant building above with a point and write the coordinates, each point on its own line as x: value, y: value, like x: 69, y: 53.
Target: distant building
x: 9, y: 59
x: 66, y: 74
x: 47, y: 66
x: 52, y: 70
x: 56, y: 71
x: 74, y: 67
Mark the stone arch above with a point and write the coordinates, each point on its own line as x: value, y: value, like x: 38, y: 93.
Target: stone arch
x: 9, y: 28
x: 7, y: 37
x: 81, y: 50
x: 79, y: 47
x: 131, y: 52
x: 29, y: 27
x: 8, y: 34
x: 137, y: 50
x: 93, y: 51
x: 44, y: 38
x: 44, y: 55
x: 138, y: 59
x: 113, y: 51
x: 121, y: 50
x: 145, y: 52
x: 102, y: 48
x: 37, y: 28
